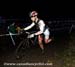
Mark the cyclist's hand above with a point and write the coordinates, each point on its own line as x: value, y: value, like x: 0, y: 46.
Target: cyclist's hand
x: 21, y: 31
x: 30, y: 36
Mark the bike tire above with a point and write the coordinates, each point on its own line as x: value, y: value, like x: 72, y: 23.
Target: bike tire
x: 23, y: 45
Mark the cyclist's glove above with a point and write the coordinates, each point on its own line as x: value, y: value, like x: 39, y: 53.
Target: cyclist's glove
x: 30, y: 36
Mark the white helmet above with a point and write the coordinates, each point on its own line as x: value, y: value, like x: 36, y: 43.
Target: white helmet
x: 33, y: 13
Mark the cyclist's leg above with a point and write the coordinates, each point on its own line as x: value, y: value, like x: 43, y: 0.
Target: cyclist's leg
x: 47, y: 36
x: 47, y: 39
x: 40, y: 40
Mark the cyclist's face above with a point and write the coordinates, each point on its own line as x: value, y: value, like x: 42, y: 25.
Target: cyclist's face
x: 33, y: 18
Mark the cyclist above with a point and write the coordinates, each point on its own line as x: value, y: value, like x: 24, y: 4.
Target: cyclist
x: 42, y: 29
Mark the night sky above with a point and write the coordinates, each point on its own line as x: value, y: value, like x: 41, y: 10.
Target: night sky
x: 46, y: 9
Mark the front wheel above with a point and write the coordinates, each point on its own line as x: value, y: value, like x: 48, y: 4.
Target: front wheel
x: 22, y: 46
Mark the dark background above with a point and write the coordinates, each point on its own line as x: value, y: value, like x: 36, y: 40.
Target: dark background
x: 61, y: 13
x: 48, y: 10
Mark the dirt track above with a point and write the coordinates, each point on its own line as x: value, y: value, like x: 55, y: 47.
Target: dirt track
x: 59, y: 53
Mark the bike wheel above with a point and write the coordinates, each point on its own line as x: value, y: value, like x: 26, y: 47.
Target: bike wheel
x: 22, y: 46
x: 26, y: 43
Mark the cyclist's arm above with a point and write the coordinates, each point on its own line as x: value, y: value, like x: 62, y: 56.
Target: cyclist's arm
x: 30, y: 26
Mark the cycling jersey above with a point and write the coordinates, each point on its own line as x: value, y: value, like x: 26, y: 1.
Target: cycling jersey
x: 42, y: 27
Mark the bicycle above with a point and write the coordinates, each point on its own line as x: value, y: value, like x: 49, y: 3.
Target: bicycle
x: 25, y: 43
